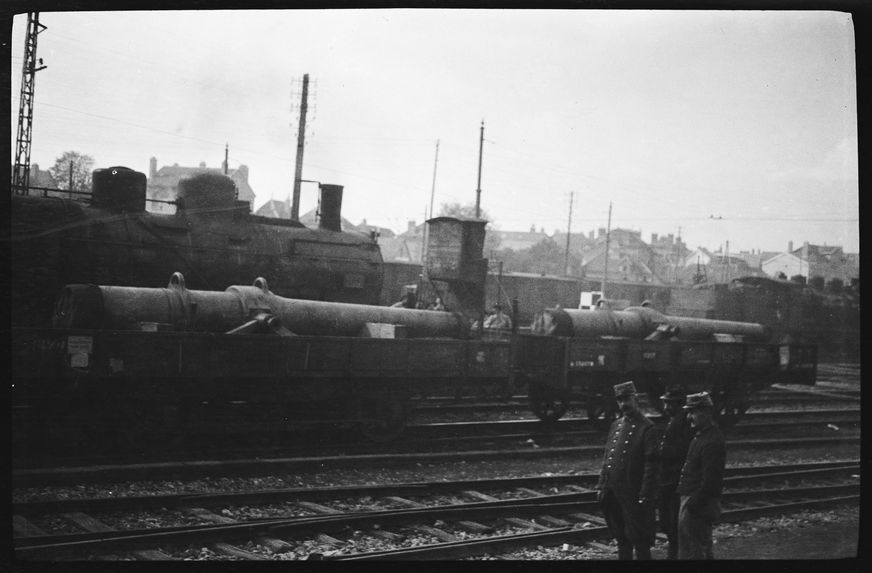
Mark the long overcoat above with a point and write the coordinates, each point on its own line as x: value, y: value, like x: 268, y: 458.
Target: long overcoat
x: 630, y: 459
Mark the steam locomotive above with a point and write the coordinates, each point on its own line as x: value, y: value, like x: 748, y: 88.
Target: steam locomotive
x: 108, y: 237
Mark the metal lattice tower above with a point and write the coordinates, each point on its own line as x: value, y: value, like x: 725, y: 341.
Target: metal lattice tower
x: 21, y: 171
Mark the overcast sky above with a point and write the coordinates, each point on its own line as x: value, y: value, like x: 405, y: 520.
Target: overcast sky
x: 675, y: 117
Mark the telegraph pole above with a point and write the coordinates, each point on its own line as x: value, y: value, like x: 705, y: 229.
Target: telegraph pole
x: 21, y: 170
x: 568, y: 235
x: 226, y: 157
x: 301, y: 138
x: 432, y: 194
x: 606, y: 266
x: 478, y: 188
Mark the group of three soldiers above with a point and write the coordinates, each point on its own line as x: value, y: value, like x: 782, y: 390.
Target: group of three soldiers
x: 677, y: 472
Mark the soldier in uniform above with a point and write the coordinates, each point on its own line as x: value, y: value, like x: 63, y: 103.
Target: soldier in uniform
x: 672, y: 453
x: 498, y: 320
x: 628, y: 477
x: 701, y: 481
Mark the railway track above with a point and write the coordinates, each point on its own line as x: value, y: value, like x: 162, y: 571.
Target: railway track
x: 779, y: 395
x: 471, y: 435
x: 527, y: 448
x: 454, y: 519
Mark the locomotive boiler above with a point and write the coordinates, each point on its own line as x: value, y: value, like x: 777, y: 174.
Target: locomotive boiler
x: 107, y: 237
x: 578, y: 355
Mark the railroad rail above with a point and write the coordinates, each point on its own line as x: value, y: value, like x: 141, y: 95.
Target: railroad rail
x: 549, y: 518
x: 260, y: 466
x: 452, y: 438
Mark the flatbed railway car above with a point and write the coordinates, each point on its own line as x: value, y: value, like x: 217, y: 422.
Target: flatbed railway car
x: 140, y: 365
x: 576, y: 356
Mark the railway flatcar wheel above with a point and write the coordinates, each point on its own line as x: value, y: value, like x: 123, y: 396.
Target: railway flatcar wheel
x: 602, y: 411
x: 383, y: 419
x: 729, y: 408
x: 730, y: 413
x: 548, y: 407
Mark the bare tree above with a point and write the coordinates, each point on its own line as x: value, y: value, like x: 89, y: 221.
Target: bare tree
x: 82, y: 165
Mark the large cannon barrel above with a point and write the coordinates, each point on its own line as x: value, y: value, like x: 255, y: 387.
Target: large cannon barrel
x: 130, y: 308
x: 640, y: 322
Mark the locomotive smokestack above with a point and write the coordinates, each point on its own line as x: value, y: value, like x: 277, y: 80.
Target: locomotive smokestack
x: 331, y: 207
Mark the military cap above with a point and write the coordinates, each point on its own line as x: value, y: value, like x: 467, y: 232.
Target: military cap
x: 624, y: 389
x: 674, y: 394
x: 701, y: 400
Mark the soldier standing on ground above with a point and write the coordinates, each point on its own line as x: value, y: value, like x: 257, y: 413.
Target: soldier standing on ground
x: 672, y: 452
x: 701, y: 480
x: 628, y: 477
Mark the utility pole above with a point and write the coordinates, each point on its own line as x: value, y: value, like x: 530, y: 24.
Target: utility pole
x: 21, y: 170
x: 606, y: 266
x: 432, y: 194
x: 568, y: 235
x: 226, y: 157
x: 478, y: 188
x: 301, y: 138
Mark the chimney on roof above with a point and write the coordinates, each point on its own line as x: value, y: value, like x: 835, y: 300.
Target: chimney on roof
x: 671, y: 238
x: 532, y: 228
x: 653, y: 238
x: 331, y: 207
x: 789, y: 246
x: 590, y: 235
x: 152, y: 168
x: 600, y: 232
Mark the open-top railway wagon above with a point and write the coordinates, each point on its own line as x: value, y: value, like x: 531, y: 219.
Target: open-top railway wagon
x: 144, y: 365
x: 578, y: 355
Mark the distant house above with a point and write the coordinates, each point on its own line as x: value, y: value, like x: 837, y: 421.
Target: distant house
x: 275, y: 209
x: 786, y: 263
x: 40, y: 178
x: 379, y: 231
x: 406, y: 247
x: 620, y: 268
x: 399, y: 250
x: 699, y: 256
x: 163, y: 183
x: 630, y: 258
x: 519, y: 240
x: 311, y: 219
x: 829, y: 262
x: 704, y: 266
